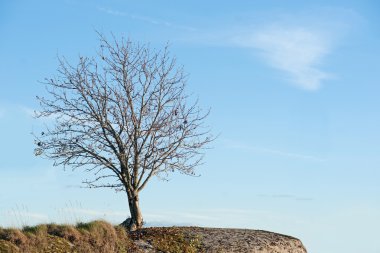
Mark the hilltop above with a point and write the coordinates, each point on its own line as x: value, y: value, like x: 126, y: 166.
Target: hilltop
x: 102, y: 237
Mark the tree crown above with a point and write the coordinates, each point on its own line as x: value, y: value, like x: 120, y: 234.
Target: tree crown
x: 124, y: 115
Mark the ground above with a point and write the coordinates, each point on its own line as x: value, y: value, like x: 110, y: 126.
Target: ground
x: 102, y: 237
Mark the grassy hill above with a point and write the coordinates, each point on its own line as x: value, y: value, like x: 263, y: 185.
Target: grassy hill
x: 102, y: 237
x: 96, y: 236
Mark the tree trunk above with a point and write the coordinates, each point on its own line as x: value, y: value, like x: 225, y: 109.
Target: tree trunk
x: 136, y: 220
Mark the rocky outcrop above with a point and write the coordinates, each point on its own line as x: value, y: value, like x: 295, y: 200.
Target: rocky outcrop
x: 216, y: 240
x: 102, y: 237
x: 220, y: 240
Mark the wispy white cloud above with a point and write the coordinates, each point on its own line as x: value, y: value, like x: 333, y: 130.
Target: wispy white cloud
x: 11, y: 109
x: 150, y: 20
x: 180, y: 216
x: 20, y: 217
x: 96, y: 213
x: 30, y: 112
x: 219, y: 217
x: 253, y: 149
x: 36, y: 216
x: 296, y: 44
x: 161, y: 217
x: 286, y: 196
x: 298, y: 51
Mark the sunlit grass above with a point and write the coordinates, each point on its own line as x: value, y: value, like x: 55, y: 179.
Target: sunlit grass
x: 95, y: 236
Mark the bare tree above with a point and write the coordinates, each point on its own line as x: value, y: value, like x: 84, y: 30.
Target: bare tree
x: 124, y: 116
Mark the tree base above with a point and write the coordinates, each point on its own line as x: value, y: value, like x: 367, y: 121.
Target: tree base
x: 129, y: 225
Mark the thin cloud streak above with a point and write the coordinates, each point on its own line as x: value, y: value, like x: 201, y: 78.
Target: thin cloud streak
x: 97, y: 213
x: 21, y: 217
x: 32, y: 113
x: 297, y: 51
x: 28, y: 111
x: 180, y: 216
x: 286, y: 196
x: 36, y: 216
x: 145, y: 19
x: 217, y: 217
x: 296, y: 44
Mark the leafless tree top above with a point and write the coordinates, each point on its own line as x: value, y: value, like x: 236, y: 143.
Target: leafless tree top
x: 123, y: 114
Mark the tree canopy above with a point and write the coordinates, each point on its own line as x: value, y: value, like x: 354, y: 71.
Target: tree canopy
x: 123, y: 115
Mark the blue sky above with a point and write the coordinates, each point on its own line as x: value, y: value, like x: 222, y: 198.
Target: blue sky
x: 293, y: 87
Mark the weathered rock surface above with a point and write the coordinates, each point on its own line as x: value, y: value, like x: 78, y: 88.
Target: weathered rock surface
x: 219, y: 240
x: 216, y: 240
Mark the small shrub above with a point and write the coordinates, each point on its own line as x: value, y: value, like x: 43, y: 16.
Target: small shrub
x: 14, y: 236
x: 38, y: 231
x: 97, y: 236
x: 65, y: 231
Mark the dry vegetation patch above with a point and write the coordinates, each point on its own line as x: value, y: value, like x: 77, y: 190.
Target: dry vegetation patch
x: 96, y: 236
x: 14, y: 236
x: 169, y: 239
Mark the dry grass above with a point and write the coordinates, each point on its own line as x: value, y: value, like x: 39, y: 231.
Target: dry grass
x: 169, y: 239
x: 96, y: 236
